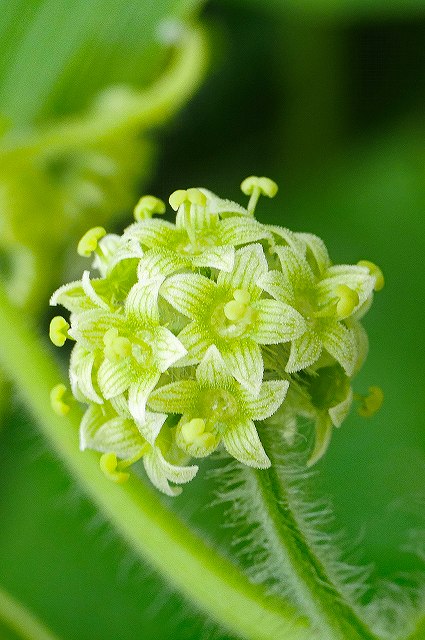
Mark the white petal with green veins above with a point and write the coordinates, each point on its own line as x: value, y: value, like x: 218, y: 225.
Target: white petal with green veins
x: 245, y: 362
x: 212, y: 371
x: 272, y: 394
x: 167, y: 348
x: 159, y: 263
x: 91, y: 293
x: 339, y: 412
x: 82, y: 370
x: 276, y: 322
x: 243, y: 443
x: 217, y: 257
x: 138, y: 394
x: 250, y: 266
x: 176, y: 397
x: 188, y: 293
x: 152, y: 233
x: 318, y: 250
x: 341, y: 344
x: 196, y: 341
x: 295, y: 268
x: 114, y: 378
x: 237, y: 231
x: 151, y: 426
x: 305, y: 351
x: 323, y: 433
x: 142, y: 301
x: 276, y: 285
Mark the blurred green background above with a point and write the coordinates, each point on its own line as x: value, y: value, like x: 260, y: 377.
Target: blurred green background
x: 325, y: 97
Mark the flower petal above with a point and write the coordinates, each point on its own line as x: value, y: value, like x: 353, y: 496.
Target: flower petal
x: 188, y: 293
x: 245, y: 363
x: 295, y: 268
x: 72, y: 297
x: 289, y: 238
x: 243, y: 443
x: 167, y: 348
x: 236, y: 231
x: 323, y: 429
x: 223, y: 207
x: 159, y: 263
x: 114, y: 378
x: 317, y: 250
x: 138, y: 394
x: 212, y: 371
x: 152, y: 233
x: 222, y: 258
x: 250, y: 265
x: 90, y: 291
x: 160, y: 472
x: 272, y: 394
x: 89, y: 327
x: 151, y: 426
x: 276, y: 285
x: 277, y: 322
x: 80, y: 374
x: 142, y: 301
x: 176, y: 397
x: 340, y: 411
x: 340, y: 342
x: 109, y: 435
x: 196, y: 340
x: 305, y: 351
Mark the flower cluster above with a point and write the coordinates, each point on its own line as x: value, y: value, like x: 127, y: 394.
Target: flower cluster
x: 194, y: 331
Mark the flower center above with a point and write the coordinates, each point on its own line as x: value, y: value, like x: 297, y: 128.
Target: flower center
x: 232, y: 319
x: 218, y: 406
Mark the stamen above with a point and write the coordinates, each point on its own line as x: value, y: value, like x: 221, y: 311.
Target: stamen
x: 178, y: 198
x: 196, y: 197
x: 57, y: 400
x: 116, y: 347
x: 108, y: 464
x: 376, y: 272
x: 89, y: 241
x: 58, y: 331
x: 254, y: 187
x: 371, y: 403
x: 237, y: 309
x: 193, y: 429
x: 147, y: 206
x: 348, y: 301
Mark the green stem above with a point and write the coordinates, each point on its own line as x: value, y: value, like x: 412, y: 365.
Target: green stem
x: 154, y: 531
x: 299, y: 563
x: 419, y: 631
x: 149, y: 108
x: 21, y: 621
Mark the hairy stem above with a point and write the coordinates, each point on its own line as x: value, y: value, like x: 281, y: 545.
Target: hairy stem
x: 19, y: 620
x: 152, y: 530
x: 304, y: 572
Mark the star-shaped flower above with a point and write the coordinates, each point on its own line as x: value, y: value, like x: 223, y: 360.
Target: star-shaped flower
x: 216, y: 408
x: 200, y: 237
x: 232, y: 315
x: 325, y: 297
x: 103, y: 430
x: 127, y: 350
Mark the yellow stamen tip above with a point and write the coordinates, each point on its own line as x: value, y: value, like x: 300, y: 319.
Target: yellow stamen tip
x: 348, y: 301
x: 89, y: 241
x: 265, y: 186
x: 206, y: 440
x: 57, y: 395
x: 196, y: 197
x: 375, y: 271
x: 58, y: 331
x: 147, y: 206
x: 241, y: 295
x: 234, y: 310
x: 192, y: 430
x: 371, y: 403
x: 116, y: 347
x: 108, y: 464
x: 177, y: 198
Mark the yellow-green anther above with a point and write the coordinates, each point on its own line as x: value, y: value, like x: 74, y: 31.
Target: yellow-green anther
x: 192, y: 430
x: 348, y: 301
x: 371, y: 403
x: 255, y: 186
x: 196, y: 197
x: 234, y: 310
x: 241, y: 295
x: 177, y: 198
x: 89, y: 241
x: 206, y: 440
x: 116, y: 347
x: 108, y: 464
x: 147, y: 206
x: 375, y: 271
x: 57, y: 400
x: 58, y: 331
